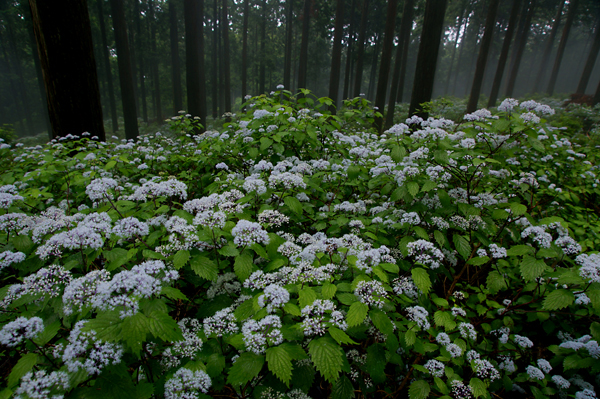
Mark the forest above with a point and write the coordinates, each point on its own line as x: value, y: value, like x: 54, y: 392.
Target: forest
x: 349, y: 199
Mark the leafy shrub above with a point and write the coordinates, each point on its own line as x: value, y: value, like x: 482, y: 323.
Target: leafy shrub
x: 297, y: 254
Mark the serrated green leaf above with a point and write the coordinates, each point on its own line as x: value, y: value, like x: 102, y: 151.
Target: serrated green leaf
x: 243, y: 266
x: 162, y: 326
x: 292, y: 309
x: 294, y: 204
x: 346, y: 298
x: 327, y: 356
x: 147, y: 253
x: 462, y: 246
x: 496, y: 282
x: 340, y: 336
x: 306, y: 297
x: 245, y: 310
x: 419, y: 390
x: 173, y: 293
x: 245, y: 368
x: 229, y: 250
x: 107, y: 326
x: 517, y: 209
x: 440, y: 238
x: 204, y: 267
x: 22, y: 243
x: 133, y: 332
x: 441, y: 385
x: 421, y: 232
x: 48, y: 333
x: 558, y: 299
x: 390, y: 267
x: 532, y: 268
x: 115, y: 383
x: 144, y: 390
x: 595, y: 330
x: 381, y: 321
x: 519, y: 250
x: 421, y: 279
x: 428, y: 186
x: 441, y: 156
x: 23, y: 366
x: 444, y: 319
x: 410, y: 337
x: 357, y: 313
x: 478, y: 387
x: 180, y: 258
x: 328, y: 290
x: 115, y: 258
x: 342, y: 389
x: 478, y: 260
x: 215, y: 364
x: 413, y: 188
x: 378, y: 271
x: 279, y: 363
x: 353, y: 172
x: 376, y: 363
x: 265, y: 143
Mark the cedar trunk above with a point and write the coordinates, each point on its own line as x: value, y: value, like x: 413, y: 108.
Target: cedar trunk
x: 360, y: 52
x: 194, y: 59
x: 226, y: 68
x: 336, y: 55
x: 386, y: 59
x: 562, y: 45
x: 287, y: 66
x: 548, y: 48
x: 591, y: 60
x: 303, y: 64
x: 405, y: 28
x: 107, y: 68
x: 520, y: 49
x: 245, y: 54
x: 175, y: 68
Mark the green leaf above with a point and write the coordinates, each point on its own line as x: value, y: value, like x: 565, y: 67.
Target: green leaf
x: 421, y: 279
x: 115, y: 384
x: 441, y: 156
x: 292, y: 309
x: 478, y: 260
x: 440, y: 238
x: 229, y: 250
x: 173, y: 293
x: 390, y: 267
x: 162, y: 326
x: 517, y: 209
x: 306, y: 297
x: 381, y: 321
x: 462, y: 246
x: 133, y: 332
x: 327, y: 357
x: 328, y: 290
x: 376, y: 363
x: 419, y: 390
x: 294, y: 204
x: 342, y: 389
x: 144, y: 390
x: 428, y: 186
x: 413, y: 188
x: 346, y: 298
x: 519, y: 250
x: 205, y: 268
x: 147, y: 253
x: 265, y: 143
x: 353, y: 172
x: 421, y: 232
x: 478, y: 387
x: 595, y: 330
x: 410, y: 337
x: 444, y: 319
x: 180, y: 258
x: 245, y: 368
x: 243, y: 266
x: 280, y: 364
x: 115, y: 258
x: 532, y: 268
x: 215, y: 364
x: 23, y: 366
x: 22, y: 243
x: 496, y: 282
x: 107, y: 326
x: 441, y: 385
x: 48, y: 333
x: 558, y: 299
x: 356, y: 314
x: 340, y: 336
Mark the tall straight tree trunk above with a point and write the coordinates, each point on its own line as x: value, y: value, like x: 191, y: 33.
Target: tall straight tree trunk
x: 215, y: 61
x: 510, y: 30
x: 484, y: 49
x: 154, y: 63
x: 360, y: 51
x: 287, y: 64
x: 405, y: 28
x: 433, y: 25
x: 141, y: 69
x: 107, y: 69
x: 596, y: 100
x: 459, y: 26
x: 21, y: 113
x: 348, y: 68
x: 591, y: 60
x: 226, y: 67
x: 562, y: 45
x: 125, y: 69
x: 245, y: 55
x: 263, y: 39
x: 520, y: 49
x: 386, y: 59
x: 303, y: 63
x: 175, y: 68
x: 69, y: 67
x: 548, y: 49
x: 194, y: 59
x: 336, y: 56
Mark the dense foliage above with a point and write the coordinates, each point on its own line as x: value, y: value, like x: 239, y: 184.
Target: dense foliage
x: 295, y: 254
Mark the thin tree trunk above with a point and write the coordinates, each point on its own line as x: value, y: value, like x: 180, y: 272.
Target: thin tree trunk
x: 125, y: 67
x: 21, y: 114
x: 361, y: 48
x: 303, y: 64
x: 245, y: 55
x: 433, y: 25
x: 386, y: 59
x: 405, y: 28
x: 287, y: 64
x: 141, y: 70
x: 175, y: 68
x: 562, y: 45
x: 226, y: 68
x: 155, y: 61
x: 484, y: 49
x: 336, y: 56
x: 591, y: 60
x: 597, y: 96
x: 512, y: 22
x: 519, y: 50
x: 215, y: 61
x: 348, y: 68
x: 455, y: 46
x: 194, y: 59
x: 263, y: 39
x: 373, y: 72
x: 548, y: 49
x: 108, y: 73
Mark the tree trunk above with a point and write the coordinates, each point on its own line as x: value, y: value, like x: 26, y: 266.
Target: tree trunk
x: 263, y: 39
x: 591, y: 60
x: 194, y: 59
x: 141, y: 70
x: 520, y: 49
x: 175, y: 68
x: 373, y: 72
x: 548, y: 49
x: 433, y: 25
x: 245, y: 55
x: 336, y: 56
x: 226, y: 68
x: 597, y: 96
x: 512, y: 23
x: 69, y: 67
x: 361, y: 48
x: 484, y: 49
x: 562, y: 45
x: 21, y: 114
x: 215, y: 61
x: 125, y: 69
x: 386, y: 59
x: 405, y: 28
x: 155, y: 61
x: 455, y: 46
x: 287, y: 64
x: 107, y: 68
x: 348, y: 68
x: 303, y: 63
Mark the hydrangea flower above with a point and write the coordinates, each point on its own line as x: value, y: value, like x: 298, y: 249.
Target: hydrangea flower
x: 186, y: 383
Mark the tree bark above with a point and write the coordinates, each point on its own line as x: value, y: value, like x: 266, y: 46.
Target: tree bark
x: 459, y: 26
x: 548, y: 49
x: 175, y: 68
x: 107, y: 68
x: 562, y: 45
x: 263, y: 39
x: 303, y: 63
x: 336, y: 56
x: 287, y: 64
x: 361, y: 48
x: 215, y: 61
x: 194, y: 59
x: 141, y: 69
x: 348, y: 68
x: 484, y: 49
x: 510, y: 30
x: 64, y: 41
x: 591, y: 60
x: 405, y: 28
x: 155, y: 61
x: 245, y: 54
x: 226, y: 67
x: 386, y: 59
x: 433, y: 25
x: 520, y: 49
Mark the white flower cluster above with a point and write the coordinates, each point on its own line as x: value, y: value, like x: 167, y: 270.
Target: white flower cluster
x: 320, y: 315
x: 262, y: 333
x: 152, y: 189
x: 254, y: 183
x: 130, y: 227
x: 406, y: 286
x: 79, y: 238
x: 226, y: 284
x: 211, y: 219
x: 460, y: 390
x: 371, y: 293
x: 41, y: 385
x: 274, y: 297
x: 467, y: 331
x: 99, y: 190
x: 435, y: 367
x: 538, y: 235
x: 272, y: 217
x: 13, y: 333
x: 419, y: 315
x: 7, y: 199
x: 246, y: 233
x: 590, y: 267
x: 534, y: 373
x: 186, y: 383
x: 7, y: 258
x: 79, y: 293
x: 188, y: 347
x: 485, y: 369
x: 425, y: 253
x: 522, y: 341
x: 287, y: 180
x: 222, y: 323
x: 47, y: 282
